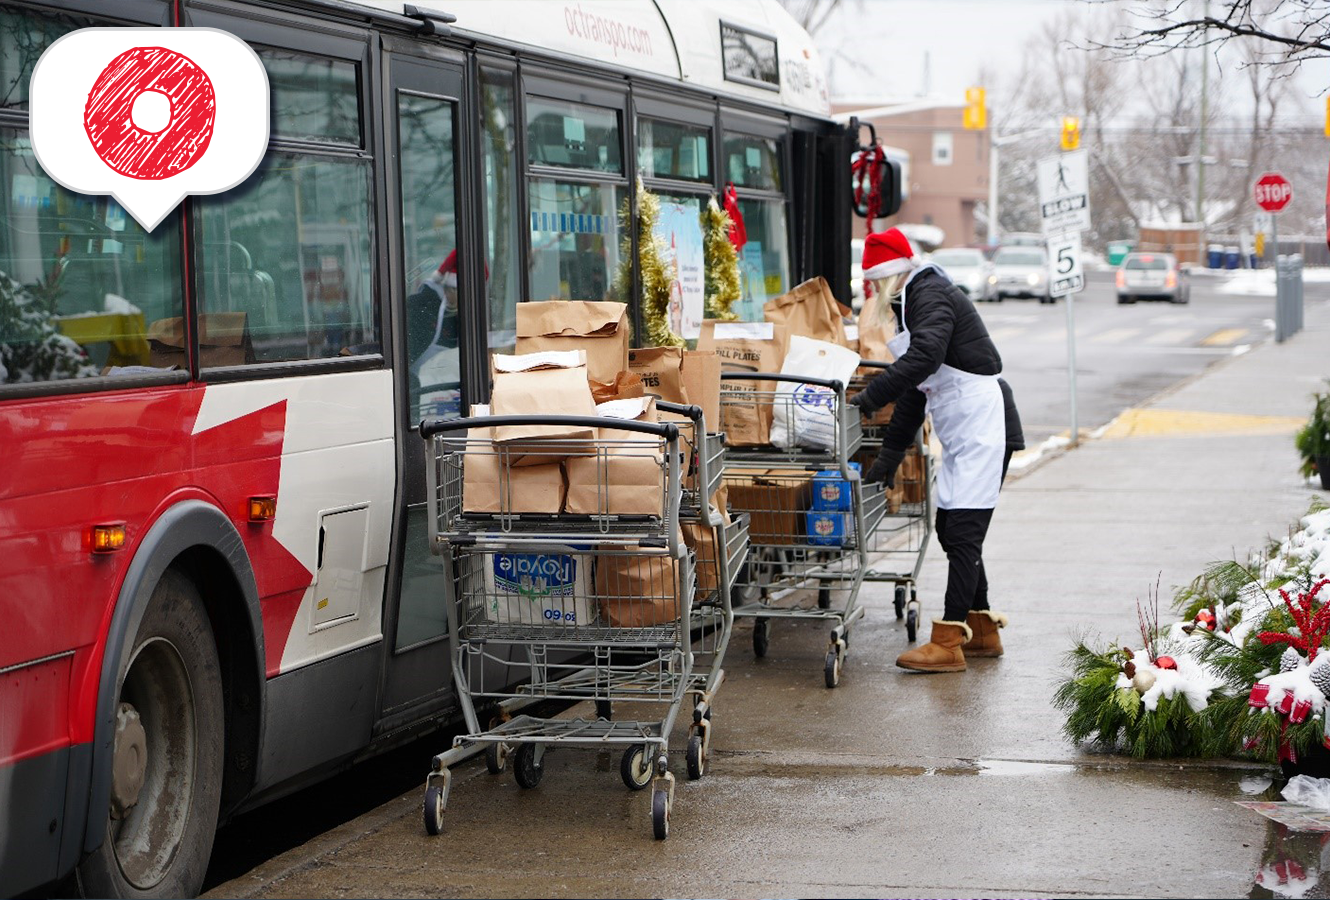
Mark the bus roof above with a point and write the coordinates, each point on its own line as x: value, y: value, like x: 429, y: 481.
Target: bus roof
x: 677, y: 39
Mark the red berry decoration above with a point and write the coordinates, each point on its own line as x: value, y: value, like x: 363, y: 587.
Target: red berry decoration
x: 1165, y: 662
x: 1206, y: 619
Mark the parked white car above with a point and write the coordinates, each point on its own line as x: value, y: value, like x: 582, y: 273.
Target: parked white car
x: 968, y: 270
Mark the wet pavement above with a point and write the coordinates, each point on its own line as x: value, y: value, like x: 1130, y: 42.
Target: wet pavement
x: 896, y: 784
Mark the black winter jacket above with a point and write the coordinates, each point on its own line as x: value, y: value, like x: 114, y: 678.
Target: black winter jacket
x: 944, y: 328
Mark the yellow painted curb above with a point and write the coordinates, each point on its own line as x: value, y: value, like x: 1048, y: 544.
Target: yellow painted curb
x: 1172, y: 422
x: 1224, y: 337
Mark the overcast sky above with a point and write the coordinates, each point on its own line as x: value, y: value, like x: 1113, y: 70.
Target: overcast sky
x: 892, y: 37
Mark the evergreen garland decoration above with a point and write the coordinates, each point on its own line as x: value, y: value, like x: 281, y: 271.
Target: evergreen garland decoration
x: 721, y: 264
x: 651, y: 264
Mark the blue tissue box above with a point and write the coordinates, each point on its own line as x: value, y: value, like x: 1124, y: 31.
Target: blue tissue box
x: 829, y: 529
x: 831, y: 493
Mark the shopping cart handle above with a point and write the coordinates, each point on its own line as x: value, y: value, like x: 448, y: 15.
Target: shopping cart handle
x: 667, y: 430
x: 687, y: 410
x: 834, y: 384
x: 874, y: 364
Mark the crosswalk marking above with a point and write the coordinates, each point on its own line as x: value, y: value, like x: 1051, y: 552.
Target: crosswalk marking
x: 1169, y: 336
x: 1001, y: 334
x: 1224, y: 337
x: 1115, y: 335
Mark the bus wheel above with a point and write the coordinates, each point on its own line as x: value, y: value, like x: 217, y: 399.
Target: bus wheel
x: 166, y: 776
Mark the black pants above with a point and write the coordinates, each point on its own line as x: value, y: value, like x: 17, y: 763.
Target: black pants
x: 961, y: 533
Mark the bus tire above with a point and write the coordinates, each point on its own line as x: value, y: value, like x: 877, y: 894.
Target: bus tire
x: 167, y: 763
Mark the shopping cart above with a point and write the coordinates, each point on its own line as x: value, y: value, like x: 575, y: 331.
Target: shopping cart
x: 810, y: 514
x: 897, y: 546
x: 557, y: 606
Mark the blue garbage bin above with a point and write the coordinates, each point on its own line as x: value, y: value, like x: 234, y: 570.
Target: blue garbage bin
x: 1231, y: 258
x: 1214, y: 256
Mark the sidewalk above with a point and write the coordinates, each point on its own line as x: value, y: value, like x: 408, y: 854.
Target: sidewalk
x: 911, y: 785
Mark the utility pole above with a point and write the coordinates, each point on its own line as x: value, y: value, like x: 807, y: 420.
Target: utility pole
x: 1200, y: 155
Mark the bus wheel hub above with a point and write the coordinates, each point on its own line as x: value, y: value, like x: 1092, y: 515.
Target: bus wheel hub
x: 130, y: 763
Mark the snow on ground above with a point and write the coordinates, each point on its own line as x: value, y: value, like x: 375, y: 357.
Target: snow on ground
x: 1262, y: 281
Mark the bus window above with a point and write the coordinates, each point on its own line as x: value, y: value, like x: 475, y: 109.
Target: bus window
x: 286, y: 269
x: 503, y: 236
x: 575, y: 240
x: 764, y: 262
x: 752, y: 162
x: 313, y: 98
x: 80, y: 281
x: 572, y: 135
x: 673, y: 150
x: 429, y: 246
x: 24, y: 36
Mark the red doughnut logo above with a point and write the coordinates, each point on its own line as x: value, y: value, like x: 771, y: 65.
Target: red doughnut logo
x: 135, y: 151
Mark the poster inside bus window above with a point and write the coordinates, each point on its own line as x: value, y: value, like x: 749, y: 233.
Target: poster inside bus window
x: 680, y: 230
x: 752, y: 283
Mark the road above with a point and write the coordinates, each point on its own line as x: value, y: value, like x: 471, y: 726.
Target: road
x: 1124, y: 354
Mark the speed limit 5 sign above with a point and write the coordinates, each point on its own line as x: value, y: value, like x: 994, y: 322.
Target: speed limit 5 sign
x: 1065, y: 275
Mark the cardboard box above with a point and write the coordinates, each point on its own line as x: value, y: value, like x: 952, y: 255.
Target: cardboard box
x: 549, y: 383
x: 910, y: 477
x: 598, y: 328
x: 551, y: 589
x: 775, y: 499
x: 831, y: 492
x: 637, y: 590
x: 828, y: 529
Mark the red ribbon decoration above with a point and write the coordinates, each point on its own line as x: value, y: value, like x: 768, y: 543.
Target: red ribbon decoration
x: 738, y: 233
x: 867, y: 167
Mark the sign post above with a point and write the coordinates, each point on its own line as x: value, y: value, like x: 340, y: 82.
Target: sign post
x: 1272, y: 193
x: 1064, y: 211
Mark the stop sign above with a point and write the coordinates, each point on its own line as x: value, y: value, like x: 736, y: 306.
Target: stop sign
x: 1272, y: 192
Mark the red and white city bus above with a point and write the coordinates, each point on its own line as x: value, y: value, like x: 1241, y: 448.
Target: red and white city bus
x: 215, y: 584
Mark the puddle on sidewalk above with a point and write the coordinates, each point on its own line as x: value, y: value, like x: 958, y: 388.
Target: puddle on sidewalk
x: 1293, y: 864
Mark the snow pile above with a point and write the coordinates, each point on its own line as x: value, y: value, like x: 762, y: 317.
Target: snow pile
x: 114, y: 303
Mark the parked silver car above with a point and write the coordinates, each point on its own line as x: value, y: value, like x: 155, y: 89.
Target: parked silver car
x: 1152, y: 276
x: 967, y: 269
x: 1020, y: 272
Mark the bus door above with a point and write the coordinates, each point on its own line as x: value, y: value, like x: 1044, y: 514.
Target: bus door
x: 432, y: 303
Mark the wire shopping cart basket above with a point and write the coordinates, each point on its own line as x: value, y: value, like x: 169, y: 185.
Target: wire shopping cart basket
x: 897, y: 546
x: 569, y: 579
x: 810, y: 514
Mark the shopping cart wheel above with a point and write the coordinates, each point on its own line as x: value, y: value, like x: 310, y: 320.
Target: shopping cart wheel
x: 526, y: 769
x: 605, y: 710
x: 496, y: 758
x: 832, y: 669
x: 696, y: 758
x: 434, y: 810
x: 660, y: 813
x: 824, y: 598
x: 900, y: 602
x: 761, y: 636
x: 635, y: 767
x: 912, y: 623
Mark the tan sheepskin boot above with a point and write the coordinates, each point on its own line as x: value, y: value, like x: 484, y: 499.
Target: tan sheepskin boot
x: 942, y: 653
x: 986, y: 641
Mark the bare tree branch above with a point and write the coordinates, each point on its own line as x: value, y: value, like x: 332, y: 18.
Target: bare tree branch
x: 1291, y: 31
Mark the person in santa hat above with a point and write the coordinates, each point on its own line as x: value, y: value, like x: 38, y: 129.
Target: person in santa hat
x: 946, y: 366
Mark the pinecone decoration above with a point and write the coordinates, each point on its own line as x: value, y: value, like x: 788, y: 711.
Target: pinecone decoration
x: 1320, y: 676
x: 1290, y: 660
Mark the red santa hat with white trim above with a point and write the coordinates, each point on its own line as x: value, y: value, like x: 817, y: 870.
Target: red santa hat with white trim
x: 887, y: 253
x: 448, y: 270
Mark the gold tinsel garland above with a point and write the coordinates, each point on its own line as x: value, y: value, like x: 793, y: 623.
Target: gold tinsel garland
x: 721, y: 264
x: 656, y: 279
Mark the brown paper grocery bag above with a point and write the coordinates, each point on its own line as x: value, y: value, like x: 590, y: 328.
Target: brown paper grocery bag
x: 809, y: 310
x: 661, y: 369
x: 625, y: 385
x: 637, y: 590
x: 701, y: 539
x: 489, y: 485
x: 745, y: 347
x: 599, y: 328
x: 701, y: 382
x: 548, y: 383
x: 626, y: 475
x: 223, y: 341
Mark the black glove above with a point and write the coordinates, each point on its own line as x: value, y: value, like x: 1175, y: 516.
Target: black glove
x: 884, y: 467
x: 866, y: 407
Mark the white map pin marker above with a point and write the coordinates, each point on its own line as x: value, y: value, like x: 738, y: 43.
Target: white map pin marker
x: 149, y: 115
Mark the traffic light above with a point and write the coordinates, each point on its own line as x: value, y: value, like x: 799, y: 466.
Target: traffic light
x: 976, y: 116
x: 1327, y: 116
x: 1071, y: 132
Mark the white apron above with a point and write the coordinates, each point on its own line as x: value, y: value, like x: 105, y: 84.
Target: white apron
x: 971, y: 425
x: 438, y: 367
